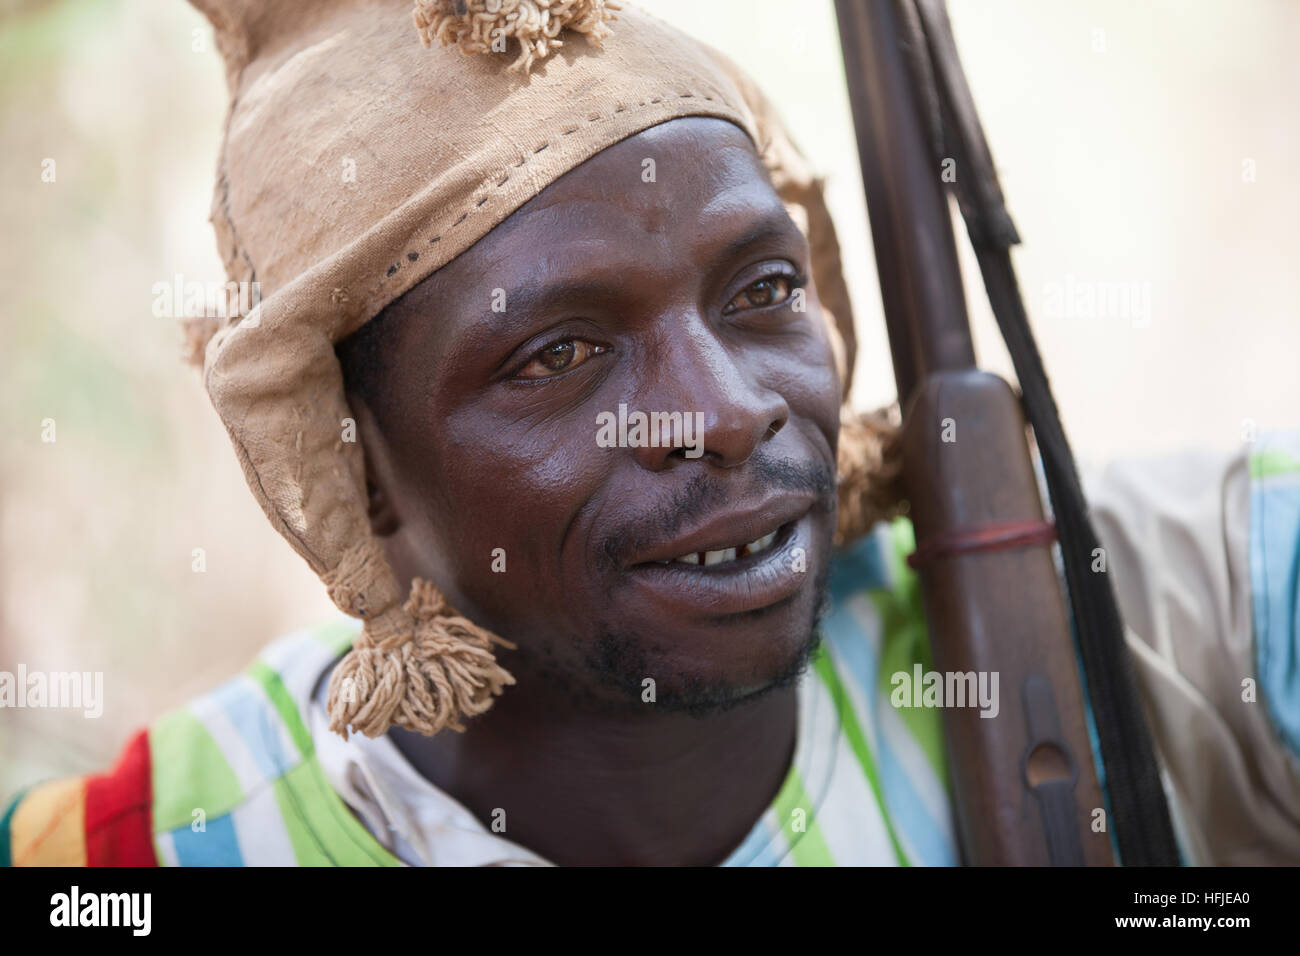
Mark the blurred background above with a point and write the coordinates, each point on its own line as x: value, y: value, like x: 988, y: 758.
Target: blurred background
x: 1148, y: 151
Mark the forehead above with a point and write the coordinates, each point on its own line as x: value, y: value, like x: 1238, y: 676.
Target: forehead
x: 664, y: 196
x: 661, y: 170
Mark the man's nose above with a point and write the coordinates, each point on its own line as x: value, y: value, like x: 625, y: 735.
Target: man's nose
x: 725, y: 412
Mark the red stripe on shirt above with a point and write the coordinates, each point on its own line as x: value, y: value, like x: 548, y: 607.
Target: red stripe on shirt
x: 119, y: 829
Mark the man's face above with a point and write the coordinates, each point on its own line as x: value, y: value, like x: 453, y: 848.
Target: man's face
x: 687, y: 294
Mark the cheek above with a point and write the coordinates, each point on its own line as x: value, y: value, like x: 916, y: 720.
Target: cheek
x: 494, y: 490
x: 808, y: 379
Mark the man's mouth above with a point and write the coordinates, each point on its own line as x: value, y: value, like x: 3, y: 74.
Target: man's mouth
x: 729, y: 536
x: 726, y: 555
x: 742, y: 560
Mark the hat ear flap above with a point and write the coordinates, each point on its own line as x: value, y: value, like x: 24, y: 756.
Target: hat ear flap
x: 417, y: 664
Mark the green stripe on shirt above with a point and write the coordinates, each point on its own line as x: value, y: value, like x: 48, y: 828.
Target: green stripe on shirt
x: 188, y: 772
x: 905, y: 640
x: 321, y: 828
x: 1266, y: 464
x: 858, y: 742
x: 284, y: 706
x: 803, y: 834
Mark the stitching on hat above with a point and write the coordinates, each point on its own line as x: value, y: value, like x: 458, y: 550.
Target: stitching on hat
x: 412, y: 256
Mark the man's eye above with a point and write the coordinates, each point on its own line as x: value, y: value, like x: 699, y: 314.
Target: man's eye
x: 559, y: 357
x: 767, y: 291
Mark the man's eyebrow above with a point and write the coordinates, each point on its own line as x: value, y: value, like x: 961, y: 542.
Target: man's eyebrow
x: 535, y: 294
x: 776, y: 224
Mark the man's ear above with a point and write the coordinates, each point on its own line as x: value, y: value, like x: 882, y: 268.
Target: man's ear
x: 384, y: 519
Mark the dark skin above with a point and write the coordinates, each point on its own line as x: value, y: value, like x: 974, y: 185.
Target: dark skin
x: 674, y: 295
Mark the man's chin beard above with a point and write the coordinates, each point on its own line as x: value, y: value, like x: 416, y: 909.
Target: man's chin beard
x: 700, y: 699
x: 619, y: 672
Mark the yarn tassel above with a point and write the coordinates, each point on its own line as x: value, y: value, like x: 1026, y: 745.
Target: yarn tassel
x: 474, y: 25
x: 420, y: 666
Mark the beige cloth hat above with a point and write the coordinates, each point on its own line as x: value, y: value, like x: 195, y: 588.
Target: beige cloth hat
x: 363, y: 151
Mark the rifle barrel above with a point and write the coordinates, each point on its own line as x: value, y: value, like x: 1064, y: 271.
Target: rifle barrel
x: 911, y: 226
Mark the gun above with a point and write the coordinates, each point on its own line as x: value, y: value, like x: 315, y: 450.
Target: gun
x: 1026, y: 784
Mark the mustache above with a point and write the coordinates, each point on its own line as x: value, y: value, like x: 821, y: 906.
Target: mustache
x: 704, y: 493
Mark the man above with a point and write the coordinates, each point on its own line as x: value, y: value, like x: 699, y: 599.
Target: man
x: 648, y: 644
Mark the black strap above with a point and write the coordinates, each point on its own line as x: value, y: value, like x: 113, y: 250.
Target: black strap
x: 1140, y: 815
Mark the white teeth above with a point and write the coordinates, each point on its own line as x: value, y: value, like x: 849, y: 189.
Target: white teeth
x: 726, y: 554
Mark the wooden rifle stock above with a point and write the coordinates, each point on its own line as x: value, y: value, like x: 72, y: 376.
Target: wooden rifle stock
x: 1024, y: 782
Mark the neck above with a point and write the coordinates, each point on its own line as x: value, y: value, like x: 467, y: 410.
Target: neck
x: 607, y: 790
